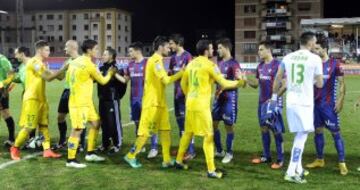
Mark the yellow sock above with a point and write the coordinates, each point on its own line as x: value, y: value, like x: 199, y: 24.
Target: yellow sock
x: 73, y: 143
x: 21, y: 138
x: 165, y: 144
x: 183, y: 146
x: 139, y: 143
x: 208, y: 147
x: 92, y: 137
x: 45, y: 132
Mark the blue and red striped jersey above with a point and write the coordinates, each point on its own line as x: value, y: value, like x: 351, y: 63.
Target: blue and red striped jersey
x: 136, y: 73
x: 176, y: 63
x: 327, y: 94
x: 266, y: 74
x: 228, y: 69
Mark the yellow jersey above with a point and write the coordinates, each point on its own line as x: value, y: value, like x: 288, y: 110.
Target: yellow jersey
x: 198, y: 80
x: 80, y: 76
x: 156, y: 79
x: 34, y: 83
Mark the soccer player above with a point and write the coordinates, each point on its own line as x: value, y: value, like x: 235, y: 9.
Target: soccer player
x: 303, y: 70
x: 197, y: 82
x: 35, y: 109
x: 80, y: 76
x: 71, y: 49
x: 154, y: 115
x: 135, y: 73
x: 180, y: 59
x: 22, y: 54
x: 328, y: 106
x: 265, y: 75
x: 5, y: 67
x: 225, y: 104
x: 109, y: 103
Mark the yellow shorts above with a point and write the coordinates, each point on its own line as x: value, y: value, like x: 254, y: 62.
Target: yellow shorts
x: 80, y: 116
x: 199, y: 123
x: 154, y: 119
x: 34, y: 113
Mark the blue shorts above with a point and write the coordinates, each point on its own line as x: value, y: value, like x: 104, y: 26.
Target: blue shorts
x: 225, y: 111
x: 135, y: 111
x: 325, y: 115
x: 179, y: 106
x: 278, y: 125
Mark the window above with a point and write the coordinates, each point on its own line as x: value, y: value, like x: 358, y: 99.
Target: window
x: 97, y: 15
x: 52, y: 49
x: 7, y: 39
x: 74, y: 27
x: 40, y: 17
x: 50, y: 28
x: 126, y: 18
x: 86, y: 16
x: 250, y: 22
x: 126, y: 50
x: 60, y: 38
x: 119, y: 16
x: 249, y: 48
x: 108, y: 15
x: 119, y: 49
x: 41, y: 38
x: 95, y: 26
x: 32, y: 18
x: 249, y: 34
x: 74, y: 37
x: 126, y: 29
x: 60, y: 17
x: 108, y: 37
x: 108, y: 26
x: 119, y: 37
x: 95, y: 37
x: 50, y: 17
x: 60, y: 27
x: 40, y: 27
x: 119, y: 27
x: 304, y: 6
x: 7, y: 18
x: 51, y: 38
x: 126, y: 39
x: 86, y: 37
x: 86, y: 27
x: 74, y: 17
x: 249, y: 9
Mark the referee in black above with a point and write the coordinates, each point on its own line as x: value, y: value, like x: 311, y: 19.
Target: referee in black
x: 109, y: 106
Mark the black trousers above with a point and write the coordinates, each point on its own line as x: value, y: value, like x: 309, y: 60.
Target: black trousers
x: 110, y: 122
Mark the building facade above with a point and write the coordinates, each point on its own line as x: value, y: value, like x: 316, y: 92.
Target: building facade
x: 110, y: 27
x: 275, y: 21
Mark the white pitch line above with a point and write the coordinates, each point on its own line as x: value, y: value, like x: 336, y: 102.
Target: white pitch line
x: 12, y: 162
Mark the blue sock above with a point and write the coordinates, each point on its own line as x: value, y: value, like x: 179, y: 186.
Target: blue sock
x: 191, y: 149
x: 279, y: 146
x: 154, y: 142
x: 180, y: 122
x: 229, y: 142
x: 319, y: 145
x: 217, y: 140
x: 339, y: 145
x: 266, y: 143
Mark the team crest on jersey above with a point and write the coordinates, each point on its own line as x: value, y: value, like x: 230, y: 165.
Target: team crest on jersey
x: 217, y: 71
x: 37, y: 67
x: 158, y: 67
x: 269, y: 70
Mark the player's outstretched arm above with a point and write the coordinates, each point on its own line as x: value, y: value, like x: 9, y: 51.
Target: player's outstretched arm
x: 123, y: 79
x: 226, y: 84
x: 340, y: 98
x: 160, y: 72
x: 96, y: 75
x: 49, y: 75
x: 8, y: 80
x: 253, y: 83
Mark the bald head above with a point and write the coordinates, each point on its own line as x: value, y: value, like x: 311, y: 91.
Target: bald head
x: 71, y: 47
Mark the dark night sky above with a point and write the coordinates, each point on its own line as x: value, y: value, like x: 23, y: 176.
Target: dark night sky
x: 153, y: 17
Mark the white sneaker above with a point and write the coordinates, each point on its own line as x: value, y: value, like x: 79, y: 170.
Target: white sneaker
x: 143, y: 150
x: 228, y: 157
x: 153, y: 153
x: 94, y: 158
x: 220, y: 154
x: 75, y: 164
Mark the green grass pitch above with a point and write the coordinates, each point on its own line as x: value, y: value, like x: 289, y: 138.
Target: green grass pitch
x: 39, y: 173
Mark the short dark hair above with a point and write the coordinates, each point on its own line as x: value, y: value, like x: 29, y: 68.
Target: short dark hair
x: 202, y: 45
x: 322, y: 40
x: 137, y: 46
x: 159, y: 41
x: 24, y: 50
x: 306, y: 37
x: 88, y: 44
x: 266, y: 44
x: 40, y: 44
x: 226, y: 42
x: 112, y: 52
x: 178, y: 39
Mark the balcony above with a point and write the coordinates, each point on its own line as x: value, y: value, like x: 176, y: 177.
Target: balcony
x: 276, y: 13
x: 276, y: 25
x: 281, y: 51
x: 275, y: 1
x: 277, y: 38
